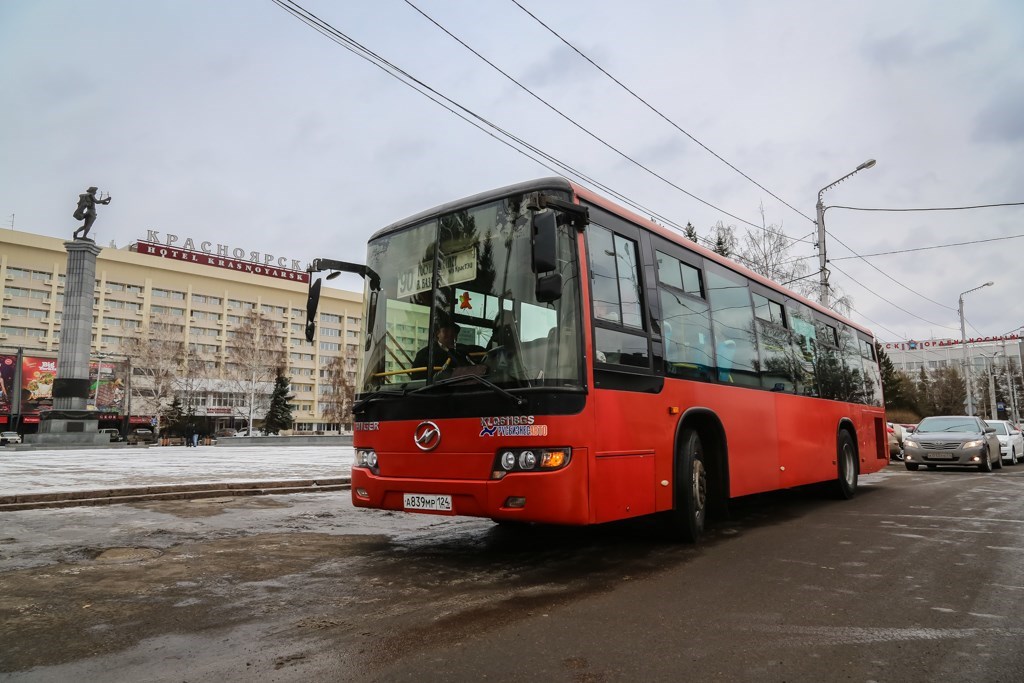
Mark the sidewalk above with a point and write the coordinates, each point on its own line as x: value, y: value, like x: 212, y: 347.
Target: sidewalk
x: 94, y: 476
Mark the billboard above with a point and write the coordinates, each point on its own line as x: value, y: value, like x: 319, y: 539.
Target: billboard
x: 7, y: 368
x: 106, y: 384
x: 37, y: 375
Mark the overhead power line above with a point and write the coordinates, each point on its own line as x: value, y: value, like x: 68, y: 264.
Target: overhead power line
x: 887, y: 276
x: 655, y: 110
x: 934, y: 246
x: 501, y: 135
x: 930, y: 322
x: 575, y: 123
x: 932, y: 208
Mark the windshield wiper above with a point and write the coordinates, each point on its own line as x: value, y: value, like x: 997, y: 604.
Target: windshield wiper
x: 519, y: 401
x: 361, y: 403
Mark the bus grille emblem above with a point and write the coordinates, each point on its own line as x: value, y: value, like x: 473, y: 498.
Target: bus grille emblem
x: 427, y: 436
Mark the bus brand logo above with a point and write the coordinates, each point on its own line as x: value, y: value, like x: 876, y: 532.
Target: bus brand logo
x: 512, y: 425
x: 427, y: 436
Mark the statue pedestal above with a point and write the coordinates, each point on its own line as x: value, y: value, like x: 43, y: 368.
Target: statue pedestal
x: 68, y: 428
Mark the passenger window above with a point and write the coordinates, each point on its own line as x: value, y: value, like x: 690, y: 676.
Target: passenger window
x: 615, y: 283
x: 615, y: 277
x: 802, y: 339
x: 682, y: 276
x: 686, y: 332
x: 621, y: 348
x: 828, y: 361
x: 732, y: 320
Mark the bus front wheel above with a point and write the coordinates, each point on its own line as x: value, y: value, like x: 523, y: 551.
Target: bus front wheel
x: 845, y: 484
x: 691, y: 495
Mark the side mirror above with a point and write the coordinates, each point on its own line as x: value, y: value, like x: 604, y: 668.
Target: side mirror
x: 312, y: 301
x: 549, y: 287
x: 545, y: 242
x: 990, y: 430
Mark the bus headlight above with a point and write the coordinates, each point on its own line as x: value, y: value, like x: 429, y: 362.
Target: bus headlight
x: 511, y: 460
x: 366, y: 457
x: 508, y: 461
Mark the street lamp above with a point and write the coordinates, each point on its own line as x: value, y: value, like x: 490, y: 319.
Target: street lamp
x: 963, y: 342
x: 823, y: 273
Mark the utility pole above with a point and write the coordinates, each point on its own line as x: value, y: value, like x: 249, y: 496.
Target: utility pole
x: 823, y: 296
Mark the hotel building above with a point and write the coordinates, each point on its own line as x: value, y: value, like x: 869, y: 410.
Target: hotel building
x: 198, y: 291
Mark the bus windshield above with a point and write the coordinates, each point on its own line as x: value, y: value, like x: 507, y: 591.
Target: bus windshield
x: 469, y: 271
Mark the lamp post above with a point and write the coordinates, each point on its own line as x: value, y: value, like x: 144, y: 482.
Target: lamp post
x: 963, y: 343
x: 823, y: 273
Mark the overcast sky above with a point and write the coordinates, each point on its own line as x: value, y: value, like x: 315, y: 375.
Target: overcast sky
x: 233, y: 122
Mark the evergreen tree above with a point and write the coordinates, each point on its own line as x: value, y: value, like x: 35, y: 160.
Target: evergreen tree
x: 893, y: 384
x: 173, y: 416
x: 691, y: 233
x: 279, y: 416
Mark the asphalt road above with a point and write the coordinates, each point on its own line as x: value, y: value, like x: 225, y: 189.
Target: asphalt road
x: 919, y: 578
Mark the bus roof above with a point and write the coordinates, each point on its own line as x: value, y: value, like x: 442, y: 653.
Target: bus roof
x: 579, y: 192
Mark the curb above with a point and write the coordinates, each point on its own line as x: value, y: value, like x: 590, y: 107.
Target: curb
x: 133, y: 494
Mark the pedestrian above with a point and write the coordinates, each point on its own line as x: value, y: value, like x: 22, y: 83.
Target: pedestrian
x: 195, y: 438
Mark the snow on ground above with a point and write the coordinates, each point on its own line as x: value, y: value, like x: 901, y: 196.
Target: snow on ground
x: 35, y: 471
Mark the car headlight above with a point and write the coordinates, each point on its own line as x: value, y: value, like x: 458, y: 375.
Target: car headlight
x: 910, y: 443
x: 972, y: 444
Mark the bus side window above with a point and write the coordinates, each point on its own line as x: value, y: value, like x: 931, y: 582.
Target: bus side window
x: 779, y: 371
x: 828, y: 361
x: 619, y: 336
x: 686, y: 329
x: 801, y: 325
x: 732, y: 319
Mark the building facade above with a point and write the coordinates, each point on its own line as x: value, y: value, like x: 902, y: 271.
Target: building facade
x: 1001, y: 356
x: 200, y: 293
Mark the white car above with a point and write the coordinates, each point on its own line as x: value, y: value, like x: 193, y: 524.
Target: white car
x: 9, y: 437
x: 1011, y: 441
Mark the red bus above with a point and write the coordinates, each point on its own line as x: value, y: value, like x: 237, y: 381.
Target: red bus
x: 590, y: 365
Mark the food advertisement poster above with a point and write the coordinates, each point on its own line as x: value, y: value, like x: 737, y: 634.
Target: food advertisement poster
x: 37, y: 375
x: 106, y: 386
x: 7, y: 368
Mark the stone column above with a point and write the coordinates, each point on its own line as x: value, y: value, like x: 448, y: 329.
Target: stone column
x: 71, y: 388
x: 69, y: 423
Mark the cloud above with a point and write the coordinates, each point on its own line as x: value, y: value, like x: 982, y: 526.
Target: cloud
x: 1002, y: 120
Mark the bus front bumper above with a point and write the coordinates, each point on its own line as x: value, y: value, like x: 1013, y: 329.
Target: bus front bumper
x: 558, y: 497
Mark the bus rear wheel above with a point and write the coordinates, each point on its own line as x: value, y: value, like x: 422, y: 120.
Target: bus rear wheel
x: 845, y: 484
x: 691, y: 492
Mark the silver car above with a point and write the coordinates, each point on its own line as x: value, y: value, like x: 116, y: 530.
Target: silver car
x: 952, y: 440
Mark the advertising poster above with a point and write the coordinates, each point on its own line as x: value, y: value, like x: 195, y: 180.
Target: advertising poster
x: 7, y: 371
x: 107, y: 386
x: 37, y: 375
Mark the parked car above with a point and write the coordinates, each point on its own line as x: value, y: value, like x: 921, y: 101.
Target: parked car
x: 895, y: 449
x: 952, y: 440
x: 9, y: 437
x: 1011, y: 441
x: 225, y: 432
x: 114, y: 434
x: 138, y: 436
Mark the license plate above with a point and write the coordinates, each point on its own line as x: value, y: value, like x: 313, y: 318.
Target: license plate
x: 423, y: 501
x: 940, y: 456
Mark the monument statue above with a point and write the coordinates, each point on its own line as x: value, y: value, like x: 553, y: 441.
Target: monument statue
x: 86, y: 211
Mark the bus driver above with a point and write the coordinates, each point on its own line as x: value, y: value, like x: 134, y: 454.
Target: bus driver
x: 447, y: 352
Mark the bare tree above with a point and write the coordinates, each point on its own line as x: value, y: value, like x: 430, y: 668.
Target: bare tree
x: 157, y: 354
x: 768, y: 252
x: 255, y: 357
x: 336, y: 402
